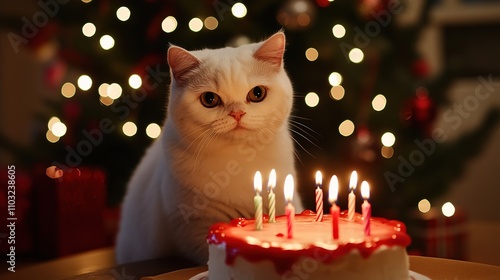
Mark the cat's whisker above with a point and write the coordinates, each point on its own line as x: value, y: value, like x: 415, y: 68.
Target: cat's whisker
x: 192, y: 142
x: 303, y: 130
x: 302, y: 147
x: 305, y: 126
x: 203, y: 143
x: 303, y: 136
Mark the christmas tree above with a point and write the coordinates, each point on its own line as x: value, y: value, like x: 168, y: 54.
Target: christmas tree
x: 365, y: 100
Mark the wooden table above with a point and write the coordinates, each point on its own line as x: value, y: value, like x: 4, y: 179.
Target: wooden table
x: 99, y: 264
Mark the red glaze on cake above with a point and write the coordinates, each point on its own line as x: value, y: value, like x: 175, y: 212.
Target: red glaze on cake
x: 271, y: 243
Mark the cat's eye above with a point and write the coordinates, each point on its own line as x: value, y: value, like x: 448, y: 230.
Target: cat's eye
x: 257, y: 94
x: 209, y: 99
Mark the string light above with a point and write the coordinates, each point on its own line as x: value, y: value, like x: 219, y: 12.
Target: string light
x: 86, y: 1
x: 106, y: 100
x: 448, y: 209
x: 169, y: 24
x: 239, y: 10
x: 123, y: 13
x: 88, y: 29
x: 388, y: 139
x: 153, y: 130
x: 356, y: 55
x: 312, y: 54
x: 335, y: 79
x: 107, y: 42
x: 195, y: 24
x: 59, y: 129
x: 211, y: 23
x: 346, y: 128
x: 379, y: 102
x: 103, y: 90
x: 114, y: 91
x: 129, y: 129
x: 135, y: 81
x: 337, y: 92
x: 51, y: 137
x: 52, y: 121
x: 312, y: 99
x: 338, y: 31
x: 84, y: 82
x: 68, y: 90
x: 424, y: 206
x: 387, y: 152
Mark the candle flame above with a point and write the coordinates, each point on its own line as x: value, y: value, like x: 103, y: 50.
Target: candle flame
x: 354, y: 180
x: 365, y: 190
x: 334, y: 189
x: 289, y: 188
x: 318, y: 178
x: 272, y: 180
x: 257, y: 182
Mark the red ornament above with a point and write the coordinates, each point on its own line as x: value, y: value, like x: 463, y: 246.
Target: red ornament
x: 419, y: 112
x: 371, y: 9
x: 420, y: 68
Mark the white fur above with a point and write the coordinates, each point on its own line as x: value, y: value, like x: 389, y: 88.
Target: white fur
x: 200, y: 170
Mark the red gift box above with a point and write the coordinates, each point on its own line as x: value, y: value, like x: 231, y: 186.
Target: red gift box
x: 435, y: 235
x: 70, y: 212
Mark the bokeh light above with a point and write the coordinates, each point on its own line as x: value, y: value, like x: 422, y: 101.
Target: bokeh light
x: 337, y: 92
x: 312, y: 99
x: 239, y: 10
x: 107, y: 42
x: 88, y: 29
x: 338, y: 31
x: 169, y: 24
x: 153, y: 130
x: 84, y: 82
x: 346, y: 128
x: 129, y: 129
x: 388, y: 139
x: 51, y: 137
x: 335, y: 79
x: 424, y: 206
x: 356, y: 55
x: 379, y: 102
x: 211, y: 23
x: 312, y: 54
x: 103, y: 89
x: 114, y: 91
x: 59, y: 129
x: 68, y: 90
x: 387, y: 152
x: 123, y: 13
x: 448, y: 209
x: 135, y: 81
x: 195, y: 24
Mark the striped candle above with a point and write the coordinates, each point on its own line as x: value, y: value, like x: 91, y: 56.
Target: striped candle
x: 366, y: 208
x: 319, y: 197
x: 272, y: 196
x: 351, y: 203
x: 257, y: 200
x: 289, y: 209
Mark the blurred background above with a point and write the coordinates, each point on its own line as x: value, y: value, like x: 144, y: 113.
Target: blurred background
x: 405, y: 92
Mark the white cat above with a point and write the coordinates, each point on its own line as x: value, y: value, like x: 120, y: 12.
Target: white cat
x: 228, y: 116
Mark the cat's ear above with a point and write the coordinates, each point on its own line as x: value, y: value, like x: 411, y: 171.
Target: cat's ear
x: 272, y: 50
x: 181, y: 62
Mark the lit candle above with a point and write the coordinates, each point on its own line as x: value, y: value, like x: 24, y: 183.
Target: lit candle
x: 366, y: 208
x: 289, y: 209
x: 319, y: 197
x: 352, y: 197
x: 334, y: 210
x: 257, y: 200
x: 272, y: 198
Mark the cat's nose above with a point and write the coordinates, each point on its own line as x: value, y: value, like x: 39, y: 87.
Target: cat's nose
x: 237, y: 115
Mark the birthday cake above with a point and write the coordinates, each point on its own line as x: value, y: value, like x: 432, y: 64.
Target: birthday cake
x: 238, y: 251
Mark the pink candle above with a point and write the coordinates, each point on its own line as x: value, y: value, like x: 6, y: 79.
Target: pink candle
x: 334, y: 210
x: 351, y: 209
x: 366, y: 208
x: 289, y: 209
x: 319, y: 198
